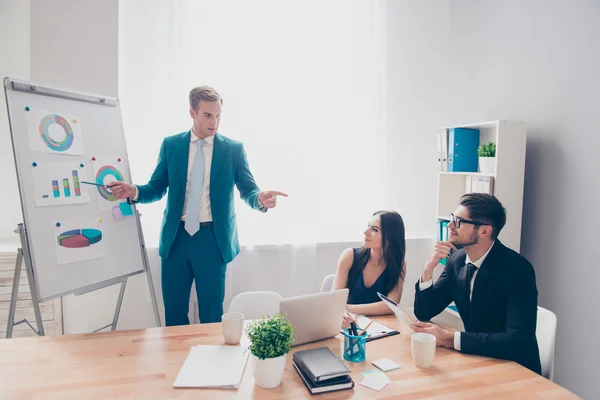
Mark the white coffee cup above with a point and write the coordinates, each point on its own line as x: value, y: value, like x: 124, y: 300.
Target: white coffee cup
x: 233, y: 326
x: 422, y: 348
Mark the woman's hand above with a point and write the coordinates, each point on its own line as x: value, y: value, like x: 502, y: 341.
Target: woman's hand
x: 348, y: 318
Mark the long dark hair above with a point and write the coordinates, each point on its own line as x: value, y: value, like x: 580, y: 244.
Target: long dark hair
x: 394, y: 250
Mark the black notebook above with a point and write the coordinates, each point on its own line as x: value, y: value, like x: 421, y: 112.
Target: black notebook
x: 320, y: 364
x: 330, y: 385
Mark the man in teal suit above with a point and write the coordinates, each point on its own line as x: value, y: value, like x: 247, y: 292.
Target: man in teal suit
x: 199, y: 237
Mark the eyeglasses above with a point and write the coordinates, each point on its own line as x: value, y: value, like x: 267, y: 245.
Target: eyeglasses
x: 458, y: 220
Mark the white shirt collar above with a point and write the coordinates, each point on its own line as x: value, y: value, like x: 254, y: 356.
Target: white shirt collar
x: 479, y: 262
x: 193, y: 138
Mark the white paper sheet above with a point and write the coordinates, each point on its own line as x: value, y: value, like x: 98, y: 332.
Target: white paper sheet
x: 54, y: 132
x: 213, y: 367
x: 106, y: 171
x: 375, y: 382
x: 79, y: 240
x: 59, y: 183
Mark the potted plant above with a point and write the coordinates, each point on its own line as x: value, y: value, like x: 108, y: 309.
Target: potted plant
x: 487, y: 157
x: 271, y: 339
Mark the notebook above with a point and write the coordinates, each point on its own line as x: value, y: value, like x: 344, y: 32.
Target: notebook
x: 213, y: 367
x: 320, y: 364
x: 330, y: 385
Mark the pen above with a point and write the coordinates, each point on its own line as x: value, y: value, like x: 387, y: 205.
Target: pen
x: 96, y: 184
x: 365, y: 328
x: 353, y: 329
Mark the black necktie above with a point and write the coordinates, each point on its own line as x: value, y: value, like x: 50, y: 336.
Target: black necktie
x: 471, y: 268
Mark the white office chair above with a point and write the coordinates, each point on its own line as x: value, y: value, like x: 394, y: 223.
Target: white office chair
x: 255, y: 305
x: 545, y: 333
x: 327, y: 283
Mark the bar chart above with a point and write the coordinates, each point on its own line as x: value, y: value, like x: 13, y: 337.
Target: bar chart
x: 59, y: 183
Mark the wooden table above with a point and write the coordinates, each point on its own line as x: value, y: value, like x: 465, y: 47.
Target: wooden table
x: 142, y: 364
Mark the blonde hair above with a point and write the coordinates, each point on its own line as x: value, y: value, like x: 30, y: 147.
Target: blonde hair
x: 205, y: 93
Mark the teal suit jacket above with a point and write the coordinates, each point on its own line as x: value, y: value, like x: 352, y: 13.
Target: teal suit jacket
x: 229, y: 168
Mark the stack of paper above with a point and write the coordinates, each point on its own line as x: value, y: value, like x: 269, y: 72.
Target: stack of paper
x: 213, y: 367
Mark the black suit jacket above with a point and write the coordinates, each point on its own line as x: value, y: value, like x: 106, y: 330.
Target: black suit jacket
x: 500, y: 320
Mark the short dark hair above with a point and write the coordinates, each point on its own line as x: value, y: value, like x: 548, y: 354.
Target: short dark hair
x: 205, y: 93
x: 485, y: 208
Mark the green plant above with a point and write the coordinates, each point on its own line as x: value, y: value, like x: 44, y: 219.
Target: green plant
x: 487, y: 150
x: 271, y: 337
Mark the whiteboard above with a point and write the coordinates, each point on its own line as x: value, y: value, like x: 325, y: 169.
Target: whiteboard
x: 78, y: 235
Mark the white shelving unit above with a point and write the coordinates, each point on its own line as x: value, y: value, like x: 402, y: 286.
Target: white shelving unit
x: 509, y: 176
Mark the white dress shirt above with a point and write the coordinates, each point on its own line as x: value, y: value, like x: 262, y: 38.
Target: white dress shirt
x: 478, y: 263
x: 205, y: 211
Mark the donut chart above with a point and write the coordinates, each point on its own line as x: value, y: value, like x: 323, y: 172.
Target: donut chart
x: 44, y: 128
x: 102, y: 173
x: 78, y: 238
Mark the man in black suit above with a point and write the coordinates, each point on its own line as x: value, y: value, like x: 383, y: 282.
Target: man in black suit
x: 492, y: 286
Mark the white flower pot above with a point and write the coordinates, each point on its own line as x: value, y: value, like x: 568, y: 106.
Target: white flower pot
x: 268, y: 373
x: 487, y: 165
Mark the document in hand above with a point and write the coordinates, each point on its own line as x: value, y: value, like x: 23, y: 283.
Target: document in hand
x: 213, y: 367
x: 397, y: 309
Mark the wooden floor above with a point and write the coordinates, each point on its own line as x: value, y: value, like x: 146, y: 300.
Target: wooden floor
x: 142, y: 364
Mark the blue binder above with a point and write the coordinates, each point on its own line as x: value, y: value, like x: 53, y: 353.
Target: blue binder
x: 462, y: 150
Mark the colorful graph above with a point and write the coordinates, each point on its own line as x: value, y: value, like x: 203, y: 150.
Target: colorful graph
x: 44, y: 128
x: 66, y: 186
x: 76, y: 183
x: 101, y: 174
x: 55, y: 189
x: 78, y: 238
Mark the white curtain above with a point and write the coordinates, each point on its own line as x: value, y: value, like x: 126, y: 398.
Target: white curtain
x: 301, y: 83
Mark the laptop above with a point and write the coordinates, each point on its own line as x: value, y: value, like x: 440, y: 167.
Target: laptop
x: 315, y: 316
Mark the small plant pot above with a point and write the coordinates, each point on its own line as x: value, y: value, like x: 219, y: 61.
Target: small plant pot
x: 268, y: 373
x: 487, y: 165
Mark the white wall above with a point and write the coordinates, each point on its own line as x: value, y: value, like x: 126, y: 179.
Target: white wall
x: 74, y: 44
x: 535, y: 61
x: 538, y: 61
x: 414, y: 93
x: 14, y: 63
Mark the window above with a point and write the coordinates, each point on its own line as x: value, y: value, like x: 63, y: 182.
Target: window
x: 301, y: 88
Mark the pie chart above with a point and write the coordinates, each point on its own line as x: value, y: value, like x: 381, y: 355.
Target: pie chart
x: 78, y: 238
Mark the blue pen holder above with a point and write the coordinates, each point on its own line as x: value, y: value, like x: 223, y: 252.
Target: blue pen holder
x: 355, y: 347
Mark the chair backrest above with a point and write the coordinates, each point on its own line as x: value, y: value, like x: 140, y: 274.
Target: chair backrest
x: 327, y: 283
x: 255, y: 305
x: 545, y: 333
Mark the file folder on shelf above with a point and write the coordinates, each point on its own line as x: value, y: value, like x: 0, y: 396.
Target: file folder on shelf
x: 462, y: 150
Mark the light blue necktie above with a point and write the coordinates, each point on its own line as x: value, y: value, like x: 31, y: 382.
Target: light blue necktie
x: 192, y: 214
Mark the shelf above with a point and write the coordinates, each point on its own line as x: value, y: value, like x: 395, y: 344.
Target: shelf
x: 467, y: 173
x: 481, y: 125
x: 508, y: 176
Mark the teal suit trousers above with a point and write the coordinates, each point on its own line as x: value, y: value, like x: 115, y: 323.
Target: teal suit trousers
x: 203, y: 257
